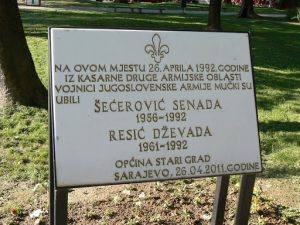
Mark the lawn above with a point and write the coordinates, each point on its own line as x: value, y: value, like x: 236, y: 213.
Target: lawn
x: 275, y: 46
x: 160, y: 5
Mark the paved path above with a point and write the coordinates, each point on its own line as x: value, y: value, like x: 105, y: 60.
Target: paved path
x: 138, y: 10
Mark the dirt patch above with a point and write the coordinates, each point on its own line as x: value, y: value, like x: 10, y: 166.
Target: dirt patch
x: 92, y: 194
x: 149, y: 203
x: 19, y: 200
x: 176, y: 202
x: 284, y: 191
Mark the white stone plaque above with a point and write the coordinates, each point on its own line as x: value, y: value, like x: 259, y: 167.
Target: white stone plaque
x: 146, y: 105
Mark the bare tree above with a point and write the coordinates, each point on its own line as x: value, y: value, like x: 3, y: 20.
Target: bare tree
x: 19, y: 82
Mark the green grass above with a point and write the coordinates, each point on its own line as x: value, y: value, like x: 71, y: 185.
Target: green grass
x: 87, y: 3
x: 162, y: 5
x: 24, y: 143
x: 276, y: 50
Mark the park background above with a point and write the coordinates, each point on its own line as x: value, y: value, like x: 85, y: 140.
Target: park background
x: 276, y: 60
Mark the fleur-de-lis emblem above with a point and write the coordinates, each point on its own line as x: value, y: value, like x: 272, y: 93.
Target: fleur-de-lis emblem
x: 156, y: 50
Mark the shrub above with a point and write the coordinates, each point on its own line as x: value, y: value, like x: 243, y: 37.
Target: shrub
x: 256, y: 2
x: 294, y: 14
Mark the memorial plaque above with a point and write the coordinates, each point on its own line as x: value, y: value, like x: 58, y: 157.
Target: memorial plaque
x: 146, y: 105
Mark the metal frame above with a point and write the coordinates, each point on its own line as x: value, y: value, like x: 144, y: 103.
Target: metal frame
x: 244, y: 200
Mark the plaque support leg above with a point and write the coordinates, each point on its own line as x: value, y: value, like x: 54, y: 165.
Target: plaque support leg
x: 51, y: 165
x: 51, y: 201
x: 61, y: 207
x: 220, y: 200
x: 245, y: 197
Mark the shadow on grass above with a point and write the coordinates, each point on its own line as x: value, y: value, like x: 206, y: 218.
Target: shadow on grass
x: 274, y: 126
x: 35, y: 22
x: 275, y: 41
x: 164, y: 5
x: 276, y: 48
x: 274, y: 88
x: 282, y: 171
x: 283, y: 164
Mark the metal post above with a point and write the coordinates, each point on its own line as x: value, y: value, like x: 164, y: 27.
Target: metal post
x: 51, y: 158
x: 244, y: 201
x: 220, y: 200
x: 61, y: 207
x: 58, y: 198
x: 51, y: 195
x: 51, y: 172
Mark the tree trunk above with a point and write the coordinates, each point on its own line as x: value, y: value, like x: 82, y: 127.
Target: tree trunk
x: 183, y: 4
x: 247, y: 9
x: 214, y: 15
x: 19, y: 82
